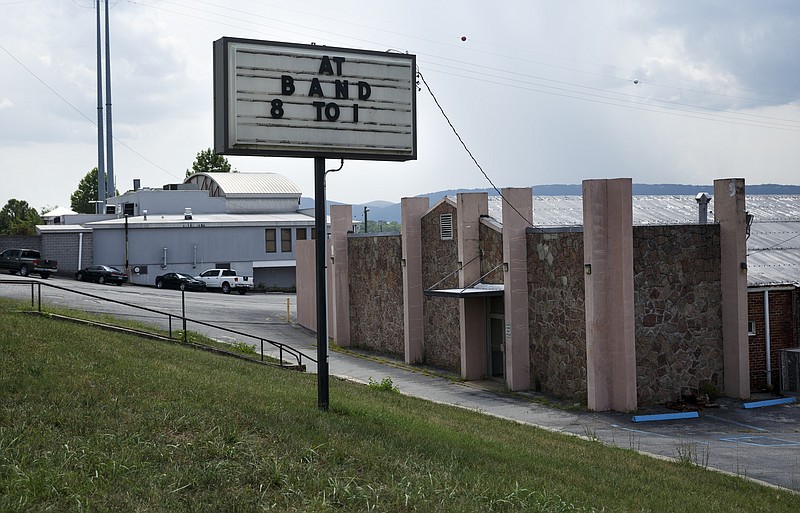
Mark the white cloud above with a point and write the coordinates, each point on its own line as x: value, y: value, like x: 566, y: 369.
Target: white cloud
x: 542, y: 92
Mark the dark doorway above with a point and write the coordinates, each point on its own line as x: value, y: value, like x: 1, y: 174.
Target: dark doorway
x: 495, y: 338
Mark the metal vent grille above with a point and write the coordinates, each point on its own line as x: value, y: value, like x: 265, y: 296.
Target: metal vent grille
x: 790, y: 371
x: 446, y: 226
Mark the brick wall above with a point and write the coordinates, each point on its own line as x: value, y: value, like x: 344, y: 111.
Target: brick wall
x: 677, y: 310
x: 556, y: 317
x: 376, y: 293
x: 442, y: 345
x: 783, y: 333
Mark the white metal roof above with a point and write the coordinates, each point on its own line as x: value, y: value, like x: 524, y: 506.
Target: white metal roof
x: 208, y: 220
x: 773, y: 247
x: 232, y: 185
x: 58, y: 211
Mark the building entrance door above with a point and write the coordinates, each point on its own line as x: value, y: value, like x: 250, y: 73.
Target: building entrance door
x: 495, y: 339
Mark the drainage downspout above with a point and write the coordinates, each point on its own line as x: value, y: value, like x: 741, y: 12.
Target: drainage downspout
x: 80, y: 251
x: 766, y: 338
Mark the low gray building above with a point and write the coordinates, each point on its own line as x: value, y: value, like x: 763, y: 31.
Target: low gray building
x: 249, y: 222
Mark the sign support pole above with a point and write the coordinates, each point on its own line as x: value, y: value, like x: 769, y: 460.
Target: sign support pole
x: 322, y: 313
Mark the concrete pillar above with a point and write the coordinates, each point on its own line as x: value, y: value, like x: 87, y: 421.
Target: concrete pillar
x: 729, y: 212
x: 341, y: 223
x: 411, y: 234
x: 515, y: 279
x: 305, y: 271
x: 472, y: 311
x: 608, y: 275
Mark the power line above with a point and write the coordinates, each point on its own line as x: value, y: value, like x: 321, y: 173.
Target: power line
x: 441, y: 109
x: 76, y: 109
x: 604, y: 100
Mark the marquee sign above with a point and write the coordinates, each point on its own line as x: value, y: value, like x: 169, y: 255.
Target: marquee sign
x: 291, y: 100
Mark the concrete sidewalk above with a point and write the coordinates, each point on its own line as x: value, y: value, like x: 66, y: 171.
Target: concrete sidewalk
x: 761, y: 444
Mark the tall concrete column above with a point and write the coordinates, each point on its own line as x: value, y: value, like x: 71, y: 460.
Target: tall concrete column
x: 472, y: 311
x: 411, y: 234
x: 515, y: 278
x: 608, y: 275
x: 341, y: 223
x: 729, y: 212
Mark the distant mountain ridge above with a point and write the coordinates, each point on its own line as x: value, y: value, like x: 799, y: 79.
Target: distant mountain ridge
x: 387, y: 211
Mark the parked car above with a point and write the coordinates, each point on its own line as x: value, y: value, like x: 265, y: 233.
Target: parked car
x: 179, y: 281
x: 102, y: 274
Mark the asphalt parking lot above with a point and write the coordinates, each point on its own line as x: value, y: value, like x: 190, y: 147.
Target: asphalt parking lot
x: 759, y: 443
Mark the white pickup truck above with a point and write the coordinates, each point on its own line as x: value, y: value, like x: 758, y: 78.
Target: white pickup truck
x: 226, y: 279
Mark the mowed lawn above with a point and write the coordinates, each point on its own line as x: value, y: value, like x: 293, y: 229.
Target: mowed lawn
x: 92, y: 420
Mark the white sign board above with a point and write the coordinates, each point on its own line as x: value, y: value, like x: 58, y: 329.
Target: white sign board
x: 290, y: 100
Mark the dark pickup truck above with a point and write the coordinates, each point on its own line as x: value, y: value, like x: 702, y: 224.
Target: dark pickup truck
x: 26, y: 261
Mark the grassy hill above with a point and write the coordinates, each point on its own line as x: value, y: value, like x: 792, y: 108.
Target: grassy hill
x: 98, y: 421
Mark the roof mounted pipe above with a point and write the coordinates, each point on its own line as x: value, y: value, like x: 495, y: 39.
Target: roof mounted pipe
x: 703, y: 199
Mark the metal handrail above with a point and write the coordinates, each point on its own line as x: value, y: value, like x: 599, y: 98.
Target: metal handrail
x: 297, y: 354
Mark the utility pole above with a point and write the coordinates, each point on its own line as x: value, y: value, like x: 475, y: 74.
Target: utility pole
x: 366, y: 224
x: 111, y: 188
x: 101, y: 166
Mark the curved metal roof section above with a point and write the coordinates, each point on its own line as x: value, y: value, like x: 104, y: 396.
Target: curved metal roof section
x: 249, y: 185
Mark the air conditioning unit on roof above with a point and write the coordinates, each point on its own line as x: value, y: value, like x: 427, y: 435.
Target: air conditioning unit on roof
x: 790, y: 371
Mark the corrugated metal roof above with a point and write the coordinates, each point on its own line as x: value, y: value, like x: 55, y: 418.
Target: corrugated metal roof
x: 246, y: 184
x: 773, y: 254
x: 551, y: 211
x: 208, y: 220
x: 773, y: 246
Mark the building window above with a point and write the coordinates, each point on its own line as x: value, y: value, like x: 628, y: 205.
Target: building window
x: 751, y: 328
x: 270, y: 236
x: 314, y: 233
x: 301, y: 234
x: 446, y: 226
x: 286, y: 240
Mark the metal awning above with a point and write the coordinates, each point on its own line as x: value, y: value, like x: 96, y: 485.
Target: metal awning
x: 478, y: 290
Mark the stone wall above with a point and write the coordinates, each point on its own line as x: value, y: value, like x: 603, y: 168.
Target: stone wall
x: 376, y: 293
x: 442, y: 346
x: 677, y: 311
x: 491, y: 243
x: 557, y: 321
x: 783, y: 334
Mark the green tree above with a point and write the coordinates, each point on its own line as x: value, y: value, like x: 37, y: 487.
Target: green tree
x: 207, y: 161
x: 81, y: 200
x: 18, y: 218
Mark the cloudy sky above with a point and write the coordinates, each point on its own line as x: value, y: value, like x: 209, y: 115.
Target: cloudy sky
x: 540, y: 91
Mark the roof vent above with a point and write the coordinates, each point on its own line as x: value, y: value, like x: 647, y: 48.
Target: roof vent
x: 446, y: 226
x: 187, y: 213
x: 702, y: 200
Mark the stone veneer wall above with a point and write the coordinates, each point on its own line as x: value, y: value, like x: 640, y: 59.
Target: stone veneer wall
x: 442, y: 346
x: 677, y: 311
x: 491, y: 243
x: 556, y: 314
x: 376, y: 293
